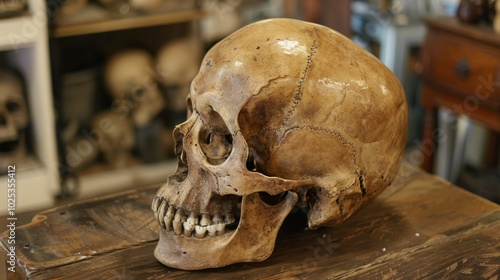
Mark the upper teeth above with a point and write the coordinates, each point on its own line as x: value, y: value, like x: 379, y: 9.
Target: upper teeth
x: 185, y: 222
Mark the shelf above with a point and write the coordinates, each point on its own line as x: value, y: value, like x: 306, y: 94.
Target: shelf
x: 106, y: 182
x: 31, y: 187
x: 17, y: 32
x: 125, y: 22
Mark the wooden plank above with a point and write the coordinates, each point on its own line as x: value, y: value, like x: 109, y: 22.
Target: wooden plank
x: 467, y: 256
x: 79, y: 231
x: 421, y: 226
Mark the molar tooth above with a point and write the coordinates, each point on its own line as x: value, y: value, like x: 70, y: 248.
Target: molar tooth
x: 161, y: 212
x: 229, y: 218
x: 193, y: 218
x: 218, y: 226
x: 200, y: 231
x: 190, y: 223
x: 212, y: 230
x: 205, y: 220
x: 187, y: 232
x: 217, y: 219
x: 188, y: 226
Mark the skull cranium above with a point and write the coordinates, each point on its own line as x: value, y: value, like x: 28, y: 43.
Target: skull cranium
x: 282, y: 113
x: 131, y: 80
x: 176, y: 65
x: 13, y: 119
x: 116, y: 138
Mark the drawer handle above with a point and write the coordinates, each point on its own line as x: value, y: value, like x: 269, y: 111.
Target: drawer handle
x: 462, y: 68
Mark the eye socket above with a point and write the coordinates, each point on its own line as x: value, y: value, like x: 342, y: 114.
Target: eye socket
x: 12, y: 106
x: 215, y: 140
x: 138, y: 93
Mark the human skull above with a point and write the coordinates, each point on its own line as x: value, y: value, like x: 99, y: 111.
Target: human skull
x: 13, y: 119
x: 282, y: 113
x: 131, y: 80
x: 221, y: 18
x: 176, y: 65
x: 115, y: 138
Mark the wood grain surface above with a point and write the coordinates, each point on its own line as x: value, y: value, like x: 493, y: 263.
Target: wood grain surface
x: 421, y: 227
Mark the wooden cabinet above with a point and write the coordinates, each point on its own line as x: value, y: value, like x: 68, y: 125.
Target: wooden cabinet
x: 461, y: 72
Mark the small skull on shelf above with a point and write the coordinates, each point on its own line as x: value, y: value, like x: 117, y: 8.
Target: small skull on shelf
x: 131, y: 79
x: 282, y: 113
x: 177, y: 64
x: 14, y: 119
x: 116, y: 138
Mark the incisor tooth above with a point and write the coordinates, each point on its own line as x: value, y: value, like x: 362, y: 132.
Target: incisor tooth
x: 155, y: 204
x: 168, y: 223
x: 169, y: 217
x: 170, y: 212
x: 161, y: 212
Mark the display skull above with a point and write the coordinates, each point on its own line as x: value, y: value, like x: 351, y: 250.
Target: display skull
x: 131, y: 80
x: 176, y: 65
x: 14, y: 119
x: 282, y: 113
x: 116, y: 139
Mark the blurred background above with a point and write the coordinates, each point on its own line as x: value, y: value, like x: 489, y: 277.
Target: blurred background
x: 90, y: 90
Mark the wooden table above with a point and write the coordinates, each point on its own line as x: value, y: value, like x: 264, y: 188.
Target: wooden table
x: 420, y: 227
x: 461, y: 72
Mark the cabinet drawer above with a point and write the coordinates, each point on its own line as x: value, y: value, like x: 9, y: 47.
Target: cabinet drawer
x: 465, y: 68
